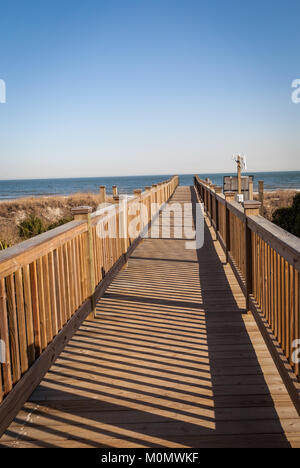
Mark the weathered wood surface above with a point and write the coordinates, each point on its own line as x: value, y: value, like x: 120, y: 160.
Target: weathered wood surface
x: 171, y: 360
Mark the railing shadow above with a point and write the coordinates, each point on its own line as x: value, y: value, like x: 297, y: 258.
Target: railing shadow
x: 166, y: 363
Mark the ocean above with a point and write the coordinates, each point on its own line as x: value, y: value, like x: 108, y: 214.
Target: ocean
x: 12, y: 189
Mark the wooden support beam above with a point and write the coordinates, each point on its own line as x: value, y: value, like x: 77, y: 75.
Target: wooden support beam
x: 102, y: 194
x: 229, y: 196
x: 218, y: 189
x: 251, y: 208
x: 261, y: 196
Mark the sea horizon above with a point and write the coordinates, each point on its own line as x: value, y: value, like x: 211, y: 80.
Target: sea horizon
x: 20, y: 188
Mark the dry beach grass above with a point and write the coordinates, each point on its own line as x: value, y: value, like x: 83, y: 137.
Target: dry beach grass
x: 52, y: 209
x: 49, y: 209
x: 275, y: 200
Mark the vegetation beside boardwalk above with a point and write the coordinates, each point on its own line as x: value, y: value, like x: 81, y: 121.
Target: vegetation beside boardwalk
x: 275, y: 200
x: 289, y: 218
x: 24, y: 218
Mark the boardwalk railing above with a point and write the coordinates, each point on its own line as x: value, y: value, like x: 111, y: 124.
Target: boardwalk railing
x: 50, y: 284
x: 266, y: 261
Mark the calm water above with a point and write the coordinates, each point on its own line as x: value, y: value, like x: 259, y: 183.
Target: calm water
x: 21, y: 188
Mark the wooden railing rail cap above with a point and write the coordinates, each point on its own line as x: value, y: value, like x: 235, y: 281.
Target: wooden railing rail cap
x: 285, y: 244
x: 29, y: 250
x: 251, y: 204
x: 81, y: 210
x: 229, y: 195
x: 236, y: 209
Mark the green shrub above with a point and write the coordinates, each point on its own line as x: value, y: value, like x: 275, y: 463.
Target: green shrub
x: 31, y: 227
x: 289, y: 218
x: 283, y: 217
x: 61, y: 222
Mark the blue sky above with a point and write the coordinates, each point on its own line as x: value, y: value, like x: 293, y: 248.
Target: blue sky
x: 110, y: 87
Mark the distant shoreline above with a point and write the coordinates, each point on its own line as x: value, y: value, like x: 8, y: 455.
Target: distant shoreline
x: 86, y: 194
x: 38, y: 188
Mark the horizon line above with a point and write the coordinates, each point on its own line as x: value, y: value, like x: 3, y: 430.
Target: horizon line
x: 145, y: 175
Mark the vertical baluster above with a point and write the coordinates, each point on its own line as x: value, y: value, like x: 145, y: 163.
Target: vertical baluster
x: 4, y: 335
x: 21, y: 321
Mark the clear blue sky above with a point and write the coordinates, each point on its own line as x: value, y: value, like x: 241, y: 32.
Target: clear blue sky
x: 125, y: 87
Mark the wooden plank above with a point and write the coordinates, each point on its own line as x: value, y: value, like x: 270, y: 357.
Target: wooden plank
x: 13, y: 329
x: 35, y: 309
x: 62, y: 287
x: 67, y: 282
x: 4, y: 335
x: 58, y: 290
x: 53, y: 294
x: 42, y: 305
x: 22, y: 336
x: 28, y: 315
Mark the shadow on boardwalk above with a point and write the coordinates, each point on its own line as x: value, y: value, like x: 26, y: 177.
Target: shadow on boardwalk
x: 171, y: 360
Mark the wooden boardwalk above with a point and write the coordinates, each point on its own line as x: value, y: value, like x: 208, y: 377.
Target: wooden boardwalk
x: 171, y: 360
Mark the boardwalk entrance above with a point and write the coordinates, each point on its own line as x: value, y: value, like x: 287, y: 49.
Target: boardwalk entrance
x: 171, y: 360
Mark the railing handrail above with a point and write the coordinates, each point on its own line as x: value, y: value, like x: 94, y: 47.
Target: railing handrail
x: 285, y: 243
x: 32, y: 248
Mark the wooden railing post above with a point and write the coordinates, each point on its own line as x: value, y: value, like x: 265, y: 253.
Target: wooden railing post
x: 229, y: 196
x: 138, y: 195
x: 217, y: 190
x: 250, y: 188
x: 123, y: 228
x: 159, y: 194
x: 251, y: 208
x: 261, y: 196
x: 154, y: 186
x: 83, y: 213
x: 206, y: 199
x: 102, y: 194
x: 115, y: 190
x: 148, y: 202
x: 212, y: 202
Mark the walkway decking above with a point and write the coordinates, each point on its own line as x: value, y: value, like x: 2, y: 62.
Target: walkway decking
x: 172, y: 360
